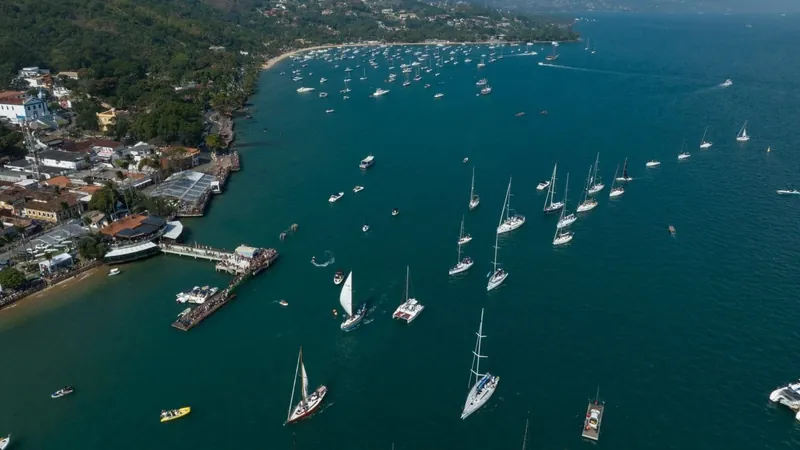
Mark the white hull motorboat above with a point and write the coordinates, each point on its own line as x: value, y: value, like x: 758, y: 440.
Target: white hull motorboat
x: 335, y: 197
x: 464, y: 239
x: 305, y: 89
x: 358, y: 189
x: 788, y: 192
x: 652, y: 163
x: 543, y: 185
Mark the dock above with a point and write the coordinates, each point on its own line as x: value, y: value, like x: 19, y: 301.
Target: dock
x: 245, y: 262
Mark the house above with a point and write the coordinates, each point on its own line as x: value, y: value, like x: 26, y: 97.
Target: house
x: 107, y: 119
x: 51, y: 208
x: 95, y: 219
x: 61, y: 181
x: 69, y: 74
x: 103, y: 149
x: 181, y: 158
x: 137, y: 152
x: 61, y: 159
x: 16, y: 107
x: 60, y: 261
x: 35, y: 76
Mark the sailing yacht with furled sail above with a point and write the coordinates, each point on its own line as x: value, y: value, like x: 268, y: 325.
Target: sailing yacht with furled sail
x: 498, y: 275
x: 742, y: 135
x: 618, y: 190
x: 462, y: 265
x: 550, y: 205
x: 474, y: 199
x: 410, y: 308
x: 596, y: 184
x: 625, y: 177
x: 309, y: 402
x: 512, y: 221
x: 485, y: 383
x: 562, y: 236
x: 703, y: 143
x: 463, y: 238
x: 588, y: 203
x: 566, y: 219
x: 683, y: 154
x: 352, y: 321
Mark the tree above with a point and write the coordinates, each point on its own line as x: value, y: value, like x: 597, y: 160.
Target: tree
x: 86, y: 114
x: 12, y: 278
x: 91, y: 247
x: 11, y: 143
x: 104, y: 200
x: 213, y: 142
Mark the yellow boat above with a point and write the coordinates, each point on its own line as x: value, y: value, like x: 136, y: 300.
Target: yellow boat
x: 173, y: 414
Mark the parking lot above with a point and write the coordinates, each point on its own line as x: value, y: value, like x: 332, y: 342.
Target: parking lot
x: 62, y: 237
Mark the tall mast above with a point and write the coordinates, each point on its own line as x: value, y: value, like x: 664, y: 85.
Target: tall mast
x: 477, y: 351
x: 407, y: 275
x: 586, y: 189
x: 525, y: 436
x: 294, y: 384
x: 472, y: 188
x: 596, y: 163
x: 566, y: 190
x: 508, y: 199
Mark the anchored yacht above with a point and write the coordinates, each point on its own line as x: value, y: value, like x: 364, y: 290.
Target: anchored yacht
x: 788, y: 395
x: 511, y: 221
x: 305, y: 89
x: 335, y: 197
x: 410, y: 308
x: 485, y: 383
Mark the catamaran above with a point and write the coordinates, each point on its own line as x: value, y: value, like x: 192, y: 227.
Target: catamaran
x: 485, y: 383
x: 703, y: 143
x: 550, y: 205
x: 625, y: 177
x: 410, y: 308
x: 498, y: 275
x: 308, y: 403
x: 474, y: 199
x: 511, y: 221
x: 596, y: 184
x: 618, y: 190
x: 463, y: 238
x: 566, y: 219
x: 352, y: 321
x: 588, y: 203
x: 462, y: 265
x: 742, y: 136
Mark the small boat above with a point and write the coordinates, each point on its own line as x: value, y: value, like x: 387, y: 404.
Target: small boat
x: 618, y: 190
x: 462, y: 265
x: 769, y: 149
x: 788, y: 192
x: 410, y: 308
x: 322, y: 80
x: 4, y: 442
x: 671, y: 230
x: 173, y: 414
x: 625, y: 177
x: 438, y: 95
x: 703, y: 143
x: 553, y: 56
x: 652, y: 163
x: 378, y: 92
x: 395, y: 211
x: 593, y: 420
x: 543, y: 185
x: 566, y: 219
x: 335, y: 197
x: 520, y: 114
x: 66, y: 390
x: 474, y: 199
x: 789, y: 396
x: 305, y: 89
x: 367, y: 162
x: 543, y: 112
x: 550, y: 203
x: 358, y: 189
x: 511, y: 221
x: 427, y: 86
x: 466, y: 160
x: 486, y: 90
x: 184, y: 312
x: 684, y: 154
x: 309, y: 402
x: 742, y: 135
x: 498, y: 274
x: 482, y: 82
x: 283, y: 303
x: 485, y: 383
x: 352, y: 320
x: 323, y: 94
x: 113, y: 272
x: 338, y: 277
x: 727, y: 83
x: 328, y: 111
x: 365, y: 228
x: 596, y: 183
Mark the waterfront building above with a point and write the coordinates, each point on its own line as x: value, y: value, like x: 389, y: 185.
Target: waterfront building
x: 134, y: 236
x: 53, y: 209
x: 57, y: 262
x: 189, y: 188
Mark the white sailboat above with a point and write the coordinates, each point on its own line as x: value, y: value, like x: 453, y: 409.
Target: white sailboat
x: 410, y: 308
x: 463, y: 238
x: 742, y: 136
x: 652, y: 163
x: 596, y: 184
x: 588, y: 203
x: 462, y: 265
x: 703, y: 143
x: 511, y: 221
x: 566, y: 219
x: 498, y: 275
x: 309, y: 402
x: 352, y: 321
x: 625, y: 177
x: 562, y: 236
x: 683, y: 154
x: 616, y: 191
x: 485, y: 384
x: 550, y: 205
x: 474, y: 199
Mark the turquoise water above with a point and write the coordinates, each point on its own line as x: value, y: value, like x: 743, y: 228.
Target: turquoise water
x: 686, y: 335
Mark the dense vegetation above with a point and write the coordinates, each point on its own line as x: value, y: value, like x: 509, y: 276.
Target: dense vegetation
x: 11, y: 278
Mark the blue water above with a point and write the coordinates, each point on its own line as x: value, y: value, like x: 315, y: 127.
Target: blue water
x: 685, y: 335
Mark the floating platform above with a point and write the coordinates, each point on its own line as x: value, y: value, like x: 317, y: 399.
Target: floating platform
x: 593, y: 420
x: 189, y: 320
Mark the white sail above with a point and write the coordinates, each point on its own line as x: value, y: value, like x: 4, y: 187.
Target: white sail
x: 305, y: 379
x: 346, y: 296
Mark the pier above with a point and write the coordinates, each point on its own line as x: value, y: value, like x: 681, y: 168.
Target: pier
x: 196, y: 251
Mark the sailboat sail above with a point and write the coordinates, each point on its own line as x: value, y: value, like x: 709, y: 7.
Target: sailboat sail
x: 304, y: 378
x: 625, y: 169
x: 346, y: 296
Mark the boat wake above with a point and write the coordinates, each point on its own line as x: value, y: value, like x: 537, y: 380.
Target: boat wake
x: 581, y: 69
x: 327, y: 263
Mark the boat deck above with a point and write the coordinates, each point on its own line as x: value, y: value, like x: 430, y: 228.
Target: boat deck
x: 589, y: 432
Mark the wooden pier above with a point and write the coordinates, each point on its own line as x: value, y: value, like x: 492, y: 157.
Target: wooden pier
x: 197, y: 251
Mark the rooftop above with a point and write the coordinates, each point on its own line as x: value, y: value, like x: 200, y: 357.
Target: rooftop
x: 61, y: 155
x: 187, y: 186
x: 134, y: 226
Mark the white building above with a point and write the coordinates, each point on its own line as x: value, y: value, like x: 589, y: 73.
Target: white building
x: 33, y: 75
x: 16, y: 108
x: 61, y: 159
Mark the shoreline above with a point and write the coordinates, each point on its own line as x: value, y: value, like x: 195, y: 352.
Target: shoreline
x: 272, y: 62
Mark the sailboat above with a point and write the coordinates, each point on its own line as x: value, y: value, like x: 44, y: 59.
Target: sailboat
x: 525, y: 436
x: 474, y: 199
x: 463, y: 238
x: 550, y: 205
x: 485, y: 384
x: 512, y: 221
x: 462, y: 265
x: 683, y: 154
x: 566, y: 219
x: 365, y: 75
x: 562, y: 236
x: 596, y: 184
x: 410, y: 308
x: 498, y: 275
x: 588, y: 203
x: 553, y: 56
x: 618, y: 190
x: 308, y: 403
x: 625, y: 177
x: 703, y: 143
x: 742, y: 136
x: 406, y: 83
x: 588, y: 42
x: 352, y: 321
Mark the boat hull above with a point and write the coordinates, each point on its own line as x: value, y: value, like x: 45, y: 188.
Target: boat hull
x: 475, y: 399
x: 461, y: 267
x: 554, y: 208
x: 182, y: 412
x: 307, y: 407
x: 511, y: 224
x: 563, y: 239
x: 567, y: 221
x: 496, y: 280
x: 474, y: 203
x: 406, y: 314
x: 352, y: 322
x: 4, y: 442
x: 587, y: 206
x: 616, y: 193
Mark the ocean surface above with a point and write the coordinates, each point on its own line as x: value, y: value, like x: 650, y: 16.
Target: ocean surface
x: 685, y: 336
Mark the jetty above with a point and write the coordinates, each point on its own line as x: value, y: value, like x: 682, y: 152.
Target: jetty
x: 244, y: 262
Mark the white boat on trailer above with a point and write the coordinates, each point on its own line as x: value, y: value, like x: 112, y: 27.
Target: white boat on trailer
x: 353, y: 320
x: 309, y: 402
x: 511, y: 221
x: 410, y: 308
x: 485, y: 383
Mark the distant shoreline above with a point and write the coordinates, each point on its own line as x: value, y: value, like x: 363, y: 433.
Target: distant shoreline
x: 272, y: 62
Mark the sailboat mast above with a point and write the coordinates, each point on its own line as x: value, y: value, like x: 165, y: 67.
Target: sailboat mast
x: 460, y: 235
x: 508, y: 199
x: 525, y: 436
x: 596, y: 164
x: 588, y: 182
x: 566, y: 190
x: 472, y: 188
x: 407, y: 275
x: 478, y: 349
x: 294, y: 384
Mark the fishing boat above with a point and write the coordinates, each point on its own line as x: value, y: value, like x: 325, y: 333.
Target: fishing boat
x: 498, y: 274
x: 596, y: 182
x: 173, y: 414
x: 511, y: 221
x: 309, y: 402
x: 358, y: 189
x: 338, y: 277
x: 652, y: 163
x: 742, y: 135
x: 625, y: 177
x: 351, y: 321
x: 410, y: 308
x: 485, y: 383
x: 788, y: 192
x: 562, y: 236
x: 474, y: 199
x: 593, y: 419
x: 616, y: 191
x: 703, y: 143
x: 66, y: 390
x: 5, y: 442
x: 566, y: 219
x: 113, y: 272
x: 588, y: 203
x: 550, y: 203
x: 335, y: 197
x: 462, y: 265
x: 367, y: 162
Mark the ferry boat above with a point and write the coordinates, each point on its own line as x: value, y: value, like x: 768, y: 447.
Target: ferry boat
x: 788, y: 395
x: 305, y: 89
x: 594, y: 417
x: 308, y: 402
x: 410, y: 308
x: 4, y: 442
x: 66, y: 390
x: 378, y: 92
x: 173, y: 414
x: 367, y: 162
x: 335, y: 197
x: 338, y: 277
x: 197, y: 295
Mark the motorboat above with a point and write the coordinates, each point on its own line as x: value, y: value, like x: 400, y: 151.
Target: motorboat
x: 283, y: 303
x: 358, y: 189
x: 365, y: 228
x: 66, y: 390
x: 308, y: 402
x: 788, y: 395
x: 328, y: 111
x: 323, y: 94
x: 338, y: 277
x: 395, y: 211
x: 438, y: 95
x: 593, y: 419
x: 367, y: 162
x: 184, y: 312
x: 322, y: 80
x: 378, y: 92
x: 727, y: 83
x: 197, y: 295
x: 788, y: 192
x: 410, y: 308
x: 486, y: 91
x: 113, y: 272
x: 305, y: 89
x: 335, y: 197
x: 652, y: 163
x: 297, y: 78
x: 173, y: 414
x: 482, y: 82
x: 466, y: 160
x: 543, y: 185
x: 4, y: 442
